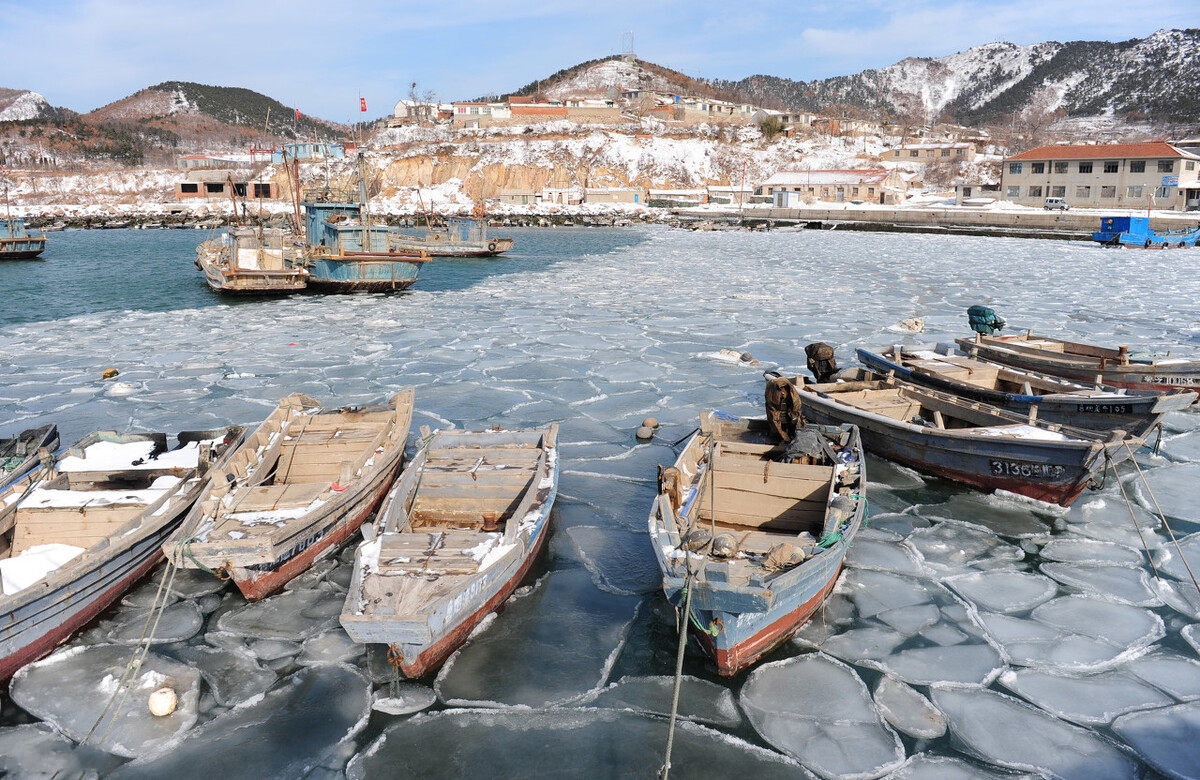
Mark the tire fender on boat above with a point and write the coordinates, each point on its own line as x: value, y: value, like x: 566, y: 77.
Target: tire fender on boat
x: 491, y: 246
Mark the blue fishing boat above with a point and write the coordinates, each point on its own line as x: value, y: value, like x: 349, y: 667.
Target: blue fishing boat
x: 1136, y: 232
x: 750, y: 530
x: 16, y: 243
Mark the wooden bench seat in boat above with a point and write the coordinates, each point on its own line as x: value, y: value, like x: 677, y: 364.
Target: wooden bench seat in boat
x: 266, y: 498
x: 434, y: 551
x: 889, y: 403
x: 766, y: 494
x: 458, y: 487
x: 78, y: 526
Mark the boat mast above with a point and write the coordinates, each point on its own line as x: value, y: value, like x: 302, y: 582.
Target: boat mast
x: 7, y: 207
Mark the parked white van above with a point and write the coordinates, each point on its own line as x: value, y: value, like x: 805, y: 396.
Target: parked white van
x: 1055, y: 203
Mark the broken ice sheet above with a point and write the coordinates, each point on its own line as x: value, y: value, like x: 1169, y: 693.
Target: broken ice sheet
x: 1001, y: 730
x: 907, y: 710
x: 1003, y: 514
x: 621, y: 561
x: 1179, y: 561
x: 819, y: 711
x: 699, y: 700
x: 1088, y: 700
x: 1171, y: 488
x: 1119, y: 624
x: 334, y: 646
x: 293, y: 615
x: 1176, y: 674
x: 403, y: 698
x: 1004, y: 591
x: 35, y: 750
x: 1167, y: 739
x: 963, y: 664
x: 882, y: 555
x: 861, y: 643
x: 560, y: 743
x: 232, y: 676
x: 73, y: 688
x: 924, y: 766
x: 873, y: 592
x: 176, y: 623
x: 554, y: 643
x: 953, y: 546
x: 1110, y: 582
x: 1071, y: 549
x: 283, y: 734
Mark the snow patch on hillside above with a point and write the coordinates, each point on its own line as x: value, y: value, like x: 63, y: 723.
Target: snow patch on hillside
x: 27, y: 105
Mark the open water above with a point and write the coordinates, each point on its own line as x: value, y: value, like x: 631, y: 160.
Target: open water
x: 972, y: 635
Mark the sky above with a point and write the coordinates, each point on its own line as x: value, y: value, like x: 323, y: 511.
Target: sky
x: 322, y: 57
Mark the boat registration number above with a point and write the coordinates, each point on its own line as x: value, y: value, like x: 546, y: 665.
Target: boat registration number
x: 1012, y: 468
x: 1105, y: 408
x: 1173, y: 379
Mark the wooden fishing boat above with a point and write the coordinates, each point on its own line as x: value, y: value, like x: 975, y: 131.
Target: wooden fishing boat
x: 1085, y: 363
x: 460, y: 237
x: 253, y: 261
x: 1027, y: 393
x: 750, y: 534
x: 296, y: 489
x: 15, y: 241
x: 966, y: 441
x: 456, y: 535
x: 78, y: 533
x: 20, y: 453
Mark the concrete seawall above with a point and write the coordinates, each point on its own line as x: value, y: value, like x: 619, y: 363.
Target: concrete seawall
x: 1070, y: 225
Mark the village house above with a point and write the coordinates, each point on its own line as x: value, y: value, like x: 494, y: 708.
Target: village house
x: 203, y: 183
x: 614, y: 195
x: 1155, y: 174
x: 788, y: 189
x: 932, y: 152
x: 412, y: 112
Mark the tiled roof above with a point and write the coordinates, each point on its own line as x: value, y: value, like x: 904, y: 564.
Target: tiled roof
x: 1102, y: 152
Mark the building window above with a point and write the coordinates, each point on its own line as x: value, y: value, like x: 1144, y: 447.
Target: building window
x: 1014, y: 167
x: 1085, y: 167
x: 1108, y: 191
x: 1035, y: 191
x: 189, y: 186
x: 1162, y: 193
x: 262, y: 190
x: 854, y: 190
x: 1058, y: 192
x: 474, y: 109
x: 1111, y: 166
x: 1037, y: 167
x: 966, y: 192
x: 945, y: 153
x: 1137, y: 166
x: 914, y: 153
x: 897, y: 152
x: 214, y: 187
x: 958, y: 151
x: 239, y: 189
x: 1014, y: 192
x: 1083, y: 191
x: 1166, y: 166
x: 1133, y: 191
x: 1190, y: 165
x: 870, y: 190
x: 1060, y: 167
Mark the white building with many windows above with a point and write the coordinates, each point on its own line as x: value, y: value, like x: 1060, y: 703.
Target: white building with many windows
x: 1130, y: 176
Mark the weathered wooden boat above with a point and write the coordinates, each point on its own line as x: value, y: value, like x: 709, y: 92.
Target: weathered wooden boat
x: 16, y: 243
x: 1136, y: 232
x: 23, y: 451
x: 966, y: 441
x: 77, y: 533
x: 1085, y: 363
x: 253, y: 261
x: 1026, y: 393
x: 460, y: 237
x: 296, y: 489
x: 456, y: 535
x: 750, y: 531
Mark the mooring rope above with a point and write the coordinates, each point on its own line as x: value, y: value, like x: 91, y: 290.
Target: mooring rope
x: 1163, y: 518
x: 1132, y: 514
x: 682, y: 626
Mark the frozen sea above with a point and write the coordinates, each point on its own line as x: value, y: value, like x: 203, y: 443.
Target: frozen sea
x: 971, y: 636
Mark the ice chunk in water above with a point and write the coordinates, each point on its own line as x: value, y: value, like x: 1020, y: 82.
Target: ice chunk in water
x: 1191, y: 635
x: 881, y: 555
x: 621, y: 562
x: 1089, y: 700
x: 274, y: 649
x: 282, y: 734
x: 699, y: 700
x: 559, y: 743
x: 1176, y: 674
x: 194, y: 583
x: 73, y: 688
x: 873, y: 592
x: 1076, y: 550
x: 966, y: 664
x: 1003, y: 514
x: 907, y: 710
x: 35, y: 750
x: 911, y: 620
x: 1004, y: 591
x: 952, y: 546
x: 926, y: 767
x: 1173, y: 488
x: 292, y: 615
x: 1118, y: 624
x: 1167, y: 739
x: 403, y: 698
x: 555, y: 643
x: 818, y: 711
x: 1114, y: 582
x: 176, y: 623
x: 1176, y: 562
x: 1004, y: 731
x: 333, y: 646
x: 232, y: 676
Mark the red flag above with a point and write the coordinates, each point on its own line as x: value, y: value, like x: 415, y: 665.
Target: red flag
x: 297, y: 115
x: 362, y: 104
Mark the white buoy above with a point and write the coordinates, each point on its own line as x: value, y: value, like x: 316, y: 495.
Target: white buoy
x: 650, y: 422
x: 644, y: 432
x: 163, y: 702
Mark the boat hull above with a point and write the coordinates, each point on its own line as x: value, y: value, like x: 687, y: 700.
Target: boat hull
x: 31, y: 442
x: 365, y: 274
x: 1136, y: 414
x: 1161, y: 376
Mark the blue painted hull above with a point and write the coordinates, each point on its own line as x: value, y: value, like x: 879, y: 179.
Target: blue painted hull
x: 377, y: 273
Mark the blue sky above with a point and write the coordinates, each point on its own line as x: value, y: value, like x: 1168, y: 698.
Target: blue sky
x: 321, y: 57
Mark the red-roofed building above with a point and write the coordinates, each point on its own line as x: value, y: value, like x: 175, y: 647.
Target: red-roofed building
x: 1129, y: 176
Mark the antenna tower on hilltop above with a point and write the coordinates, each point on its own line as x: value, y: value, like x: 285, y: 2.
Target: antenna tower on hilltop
x: 627, y: 52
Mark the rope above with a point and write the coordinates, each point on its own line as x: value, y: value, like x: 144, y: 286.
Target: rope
x: 665, y: 771
x: 141, y: 650
x: 1132, y: 514
x: 1163, y: 518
